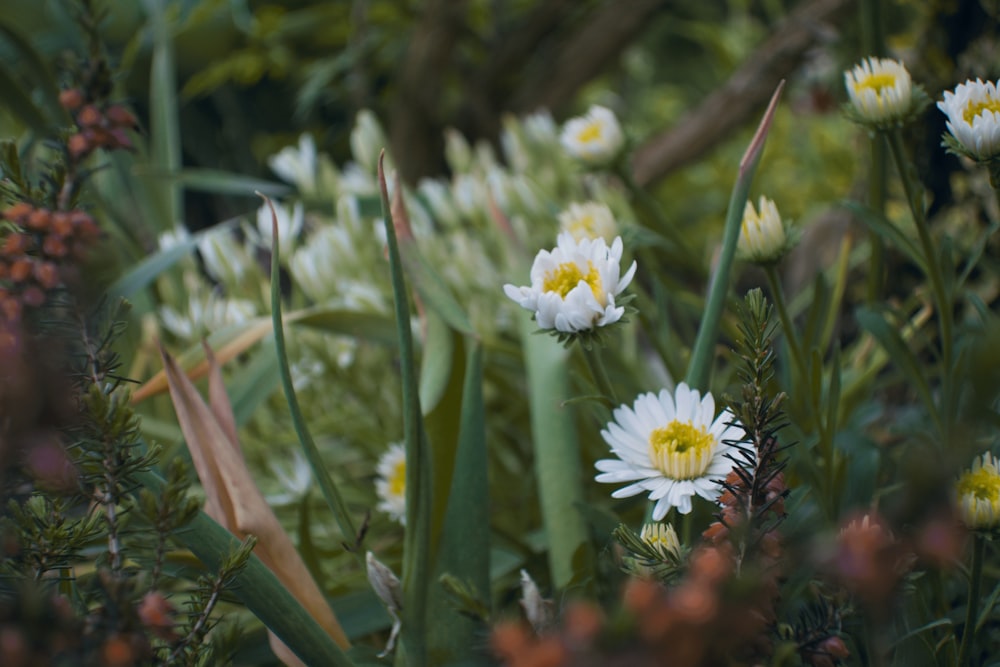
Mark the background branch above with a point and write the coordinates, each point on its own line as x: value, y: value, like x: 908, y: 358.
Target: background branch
x: 743, y: 96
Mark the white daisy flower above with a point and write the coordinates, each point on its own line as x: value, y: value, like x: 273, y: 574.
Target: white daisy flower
x: 978, y: 493
x: 595, y: 138
x: 589, y: 220
x: 391, y: 483
x: 880, y: 89
x: 670, y: 446
x: 973, y: 111
x: 573, y: 287
x: 762, y: 234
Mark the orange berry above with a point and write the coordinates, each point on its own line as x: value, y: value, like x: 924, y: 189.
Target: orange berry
x: 47, y: 274
x: 62, y: 223
x: 89, y: 116
x: 78, y: 146
x: 16, y: 244
x: 18, y: 212
x: 71, y: 99
x: 55, y: 246
x: 20, y: 269
x: 120, y: 116
x: 40, y: 219
x: 117, y: 652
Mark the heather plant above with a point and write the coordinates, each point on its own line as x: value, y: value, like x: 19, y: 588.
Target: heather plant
x: 522, y: 414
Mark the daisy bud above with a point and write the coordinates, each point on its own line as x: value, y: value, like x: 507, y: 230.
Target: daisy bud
x: 537, y: 609
x: 762, y: 235
x: 978, y: 492
x: 882, y: 93
x: 388, y: 588
x: 663, y: 539
x: 973, y: 111
x: 590, y: 220
x: 595, y: 138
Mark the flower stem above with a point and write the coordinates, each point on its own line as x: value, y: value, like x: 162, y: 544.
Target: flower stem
x: 600, y: 373
x: 972, y: 610
x: 778, y: 294
x: 934, y: 275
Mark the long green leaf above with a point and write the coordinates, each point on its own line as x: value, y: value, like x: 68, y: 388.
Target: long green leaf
x: 372, y: 327
x: 330, y: 492
x: 700, y: 370
x: 258, y: 588
x: 557, y: 455
x: 221, y: 182
x: 416, y: 544
x: 877, y: 222
x: 145, y: 272
x: 164, y: 122
x: 464, y: 551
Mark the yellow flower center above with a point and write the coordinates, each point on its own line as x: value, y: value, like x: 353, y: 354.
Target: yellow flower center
x: 977, y: 108
x: 984, y: 484
x: 397, y: 481
x: 568, y: 275
x: 585, y: 224
x: 877, y: 82
x: 590, y: 133
x: 681, y: 450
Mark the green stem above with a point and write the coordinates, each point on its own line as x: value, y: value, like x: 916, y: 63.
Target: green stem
x: 876, y: 200
x: 596, y: 363
x: 873, y: 39
x: 778, y: 294
x: 934, y: 275
x: 972, y: 610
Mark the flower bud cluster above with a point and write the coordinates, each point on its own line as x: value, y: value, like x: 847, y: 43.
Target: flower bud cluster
x: 99, y: 126
x: 33, y: 258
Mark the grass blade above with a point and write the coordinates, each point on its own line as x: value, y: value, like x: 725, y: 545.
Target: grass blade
x: 416, y: 546
x: 700, y: 370
x: 330, y: 492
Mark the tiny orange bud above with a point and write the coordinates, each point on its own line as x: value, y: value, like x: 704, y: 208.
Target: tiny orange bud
x: 18, y: 212
x: 119, y: 115
x: 20, y: 269
x: 89, y: 116
x: 62, y: 223
x: 78, y: 145
x: 39, y: 219
x: 16, y: 244
x: 71, y: 99
x: 117, y: 652
x: 54, y: 246
x: 47, y: 274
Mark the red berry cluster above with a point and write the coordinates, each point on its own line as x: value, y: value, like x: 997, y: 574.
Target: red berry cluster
x: 98, y: 127
x: 31, y: 259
